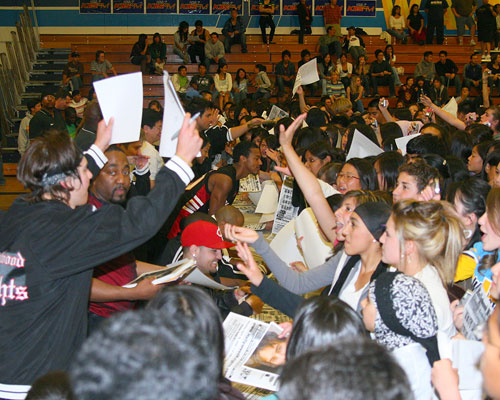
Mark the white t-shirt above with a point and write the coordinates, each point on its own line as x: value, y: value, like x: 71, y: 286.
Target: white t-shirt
x: 413, y: 360
x: 432, y: 282
x: 396, y: 23
x: 155, y: 160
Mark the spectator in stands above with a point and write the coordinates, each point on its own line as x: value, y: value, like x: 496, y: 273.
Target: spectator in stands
x: 23, y: 138
x: 415, y: 24
x: 397, y: 25
x: 334, y: 87
x: 391, y: 58
x: 72, y: 121
x: 152, y: 122
x: 355, y: 93
x: 138, y: 55
x: 332, y: 14
x: 362, y: 69
x: 447, y: 71
x: 181, y: 82
x: 353, y: 44
x: 87, y: 133
x: 73, y: 72
x: 223, y: 84
x: 181, y: 41
x: 214, y: 51
x: 329, y: 43
x: 201, y: 81
x: 152, y: 350
x: 435, y: 10
x: 325, y: 67
x: 438, y: 93
x: 158, y: 53
x: 426, y: 69
x: 266, y: 10
x: 381, y: 74
x: 240, y: 86
x: 155, y: 106
x: 344, y: 70
x: 100, y: 67
x: 47, y: 118
x: 486, y: 24
x: 78, y: 102
x: 285, y: 72
x: 464, y: 10
x: 198, y: 37
x: 305, y: 57
x: 262, y: 83
x: 473, y: 72
x: 305, y: 19
x: 234, y: 32
x: 494, y: 74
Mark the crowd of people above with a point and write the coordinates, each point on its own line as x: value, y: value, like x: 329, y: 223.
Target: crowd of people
x: 412, y: 236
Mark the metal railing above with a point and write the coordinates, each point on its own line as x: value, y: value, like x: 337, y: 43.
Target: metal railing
x: 16, y: 65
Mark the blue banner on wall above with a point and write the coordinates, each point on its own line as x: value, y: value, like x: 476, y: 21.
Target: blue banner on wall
x: 361, y: 8
x: 320, y: 4
x: 254, y: 10
x: 224, y: 6
x: 194, y: 7
x: 290, y: 6
x: 161, y: 6
x: 95, y: 6
x: 128, y: 6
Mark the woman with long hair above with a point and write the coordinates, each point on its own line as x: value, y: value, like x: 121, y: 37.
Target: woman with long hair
x: 138, y: 55
x: 158, y: 53
x: 415, y: 24
x: 240, y: 86
x: 397, y: 25
x: 223, y: 84
x: 181, y: 41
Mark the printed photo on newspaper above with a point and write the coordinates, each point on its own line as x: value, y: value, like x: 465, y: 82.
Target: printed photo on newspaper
x: 254, y: 352
x: 175, y: 272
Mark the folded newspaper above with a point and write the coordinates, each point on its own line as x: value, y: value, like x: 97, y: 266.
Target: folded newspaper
x: 254, y: 352
x: 171, y: 273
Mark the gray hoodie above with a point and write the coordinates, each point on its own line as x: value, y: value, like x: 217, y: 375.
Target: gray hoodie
x: 425, y: 68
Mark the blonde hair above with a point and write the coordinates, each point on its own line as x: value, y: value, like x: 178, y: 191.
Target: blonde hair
x: 436, y: 230
x: 493, y: 211
x: 355, y: 88
x: 341, y: 105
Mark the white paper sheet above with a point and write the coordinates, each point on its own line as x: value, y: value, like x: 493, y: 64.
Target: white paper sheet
x: 199, y: 278
x: 250, y: 184
x: 286, y: 211
x: 173, y: 117
x: 121, y: 97
x: 268, y: 202
x: 284, y: 244
x: 276, y: 113
x: 266, y: 218
x: 327, y: 189
x: 403, y: 141
x: 362, y: 147
x: 314, y: 248
x: 451, y: 107
x: 307, y: 74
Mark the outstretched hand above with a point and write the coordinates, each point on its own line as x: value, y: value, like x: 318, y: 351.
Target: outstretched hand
x: 103, y: 137
x: 189, y: 142
x: 249, y: 267
x: 286, y: 136
x: 240, y: 233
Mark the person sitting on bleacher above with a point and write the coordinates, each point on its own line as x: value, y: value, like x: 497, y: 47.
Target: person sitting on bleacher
x: 201, y: 81
x: 214, y: 51
x: 329, y: 43
x: 473, y: 72
x: 381, y: 74
x: 23, y: 139
x: 234, y: 32
x: 73, y: 72
x: 426, y: 69
x: 181, y: 41
x: 138, y: 55
x: 198, y: 37
x: 438, y: 93
x: 353, y: 44
x: 285, y: 72
x: 100, y: 67
x: 158, y: 53
x: 48, y: 118
x: 181, y: 83
x: 262, y: 83
x: 78, y: 102
x: 447, y: 71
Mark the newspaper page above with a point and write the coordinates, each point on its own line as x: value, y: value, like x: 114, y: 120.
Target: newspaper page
x: 253, y: 351
x: 276, y: 113
x: 285, y: 212
x: 250, y: 184
x: 477, y: 309
x: 172, y: 273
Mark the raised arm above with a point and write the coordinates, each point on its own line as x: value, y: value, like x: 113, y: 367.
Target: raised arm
x: 444, y: 115
x: 307, y: 181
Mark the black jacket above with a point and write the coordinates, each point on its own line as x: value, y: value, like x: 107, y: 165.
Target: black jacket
x: 47, y: 252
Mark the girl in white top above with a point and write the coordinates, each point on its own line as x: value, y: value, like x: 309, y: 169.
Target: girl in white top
x: 397, y: 25
x: 344, y: 69
x: 424, y: 240
x: 223, y: 84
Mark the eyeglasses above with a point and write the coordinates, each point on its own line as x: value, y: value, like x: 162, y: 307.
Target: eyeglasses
x: 347, y: 177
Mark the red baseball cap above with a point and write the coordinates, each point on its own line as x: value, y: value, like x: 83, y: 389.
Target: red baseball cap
x: 203, y: 233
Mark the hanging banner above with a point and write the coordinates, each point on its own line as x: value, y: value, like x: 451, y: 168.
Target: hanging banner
x: 161, y: 7
x: 290, y: 6
x: 360, y: 8
x: 320, y: 4
x: 254, y: 10
x: 128, y: 6
x: 194, y: 7
x: 225, y: 6
x: 95, y: 6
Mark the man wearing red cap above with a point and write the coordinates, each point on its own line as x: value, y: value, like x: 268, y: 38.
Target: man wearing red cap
x: 202, y: 241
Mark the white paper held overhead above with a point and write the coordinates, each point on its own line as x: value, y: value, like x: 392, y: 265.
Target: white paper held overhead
x: 362, y: 147
x: 307, y: 74
x: 121, y: 97
x: 403, y: 141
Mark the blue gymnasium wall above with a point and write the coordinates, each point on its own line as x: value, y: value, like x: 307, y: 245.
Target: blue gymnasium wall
x: 70, y: 16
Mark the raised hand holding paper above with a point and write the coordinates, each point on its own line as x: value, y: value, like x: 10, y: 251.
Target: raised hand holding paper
x: 451, y: 107
x: 172, y: 118
x: 362, y: 147
x: 121, y: 97
x: 403, y: 141
x: 307, y: 74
